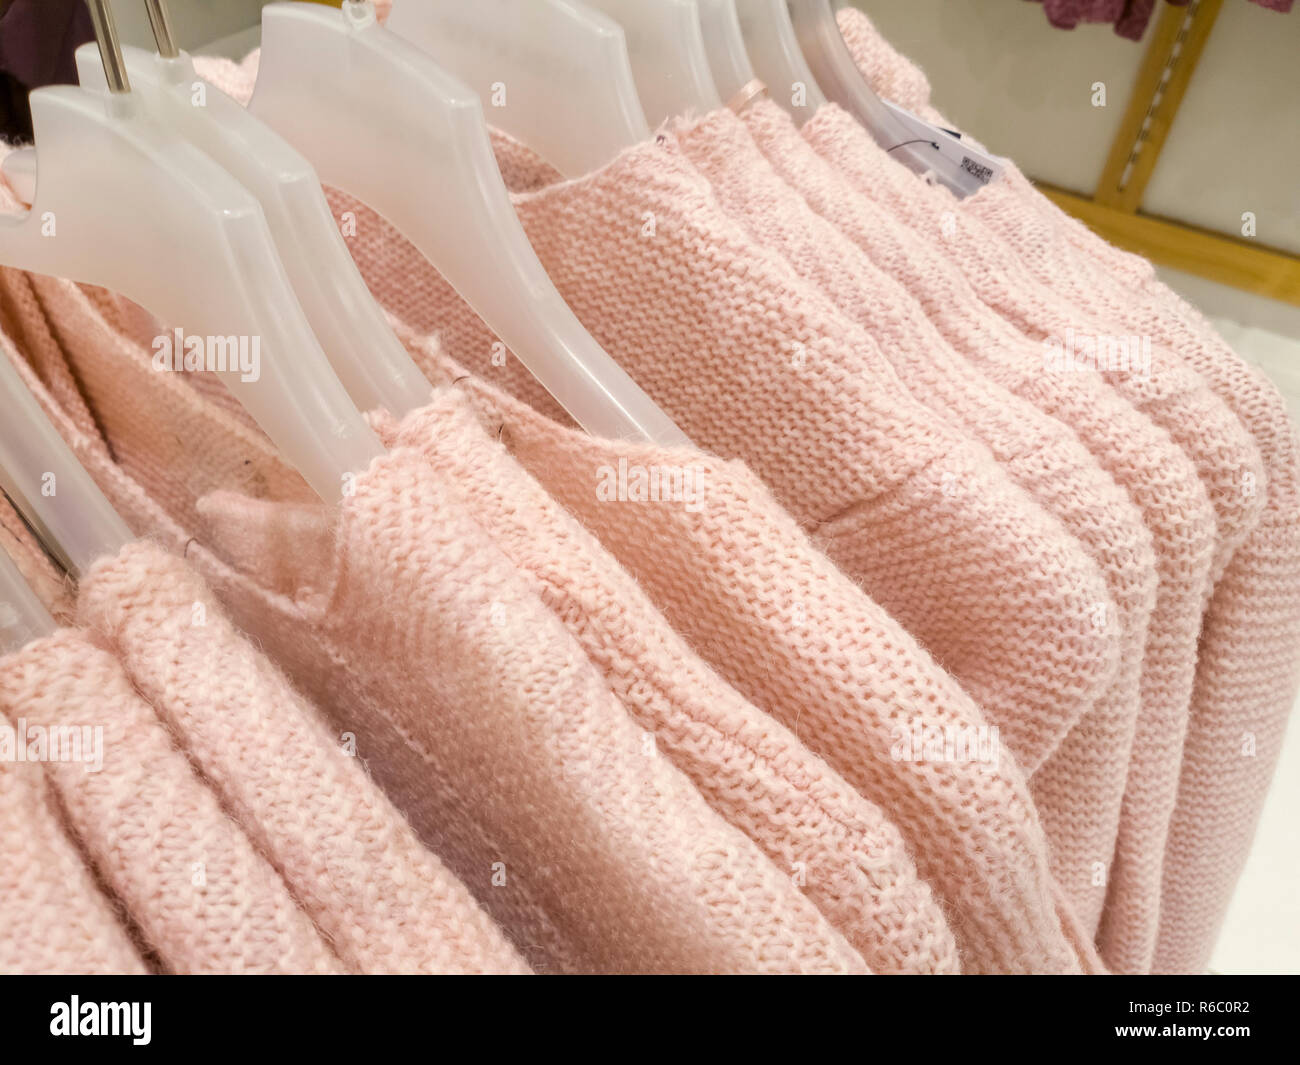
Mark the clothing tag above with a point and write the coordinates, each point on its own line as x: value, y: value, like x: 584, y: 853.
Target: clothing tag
x: 974, y: 166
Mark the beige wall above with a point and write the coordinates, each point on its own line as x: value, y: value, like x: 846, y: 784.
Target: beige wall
x: 1000, y: 71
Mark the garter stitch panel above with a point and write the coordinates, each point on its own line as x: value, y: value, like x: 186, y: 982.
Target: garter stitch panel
x: 846, y: 857
x: 54, y: 919
x: 203, y: 898
x: 386, y: 904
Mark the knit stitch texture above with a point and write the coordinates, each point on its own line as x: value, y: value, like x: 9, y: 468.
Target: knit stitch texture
x: 385, y: 903
x: 204, y: 899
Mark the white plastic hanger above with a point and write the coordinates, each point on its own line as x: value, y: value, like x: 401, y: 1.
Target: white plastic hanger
x: 47, y: 484
x: 122, y: 204
x: 381, y: 120
x: 669, y: 60
x: 23, y: 616
x: 555, y: 74
x: 778, y: 61
x: 725, y: 46
x: 917, y: 144
x: 350, y: 326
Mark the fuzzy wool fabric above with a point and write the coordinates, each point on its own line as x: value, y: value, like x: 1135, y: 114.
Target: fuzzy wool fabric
x: 1250, y: 645
x: 837, y: 846
x: 789, y: 631
x: 54, y: 917
x: 203, y: 898
x: 385, y: 903
x: 874, y: 691
x: 848, y: 859
x: 472, y: 706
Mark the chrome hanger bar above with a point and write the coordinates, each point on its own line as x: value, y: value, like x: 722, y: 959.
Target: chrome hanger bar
x: 160, y: 23
x: 110, y: 51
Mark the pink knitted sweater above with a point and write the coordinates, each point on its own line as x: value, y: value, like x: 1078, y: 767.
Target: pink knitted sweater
x: 991, y: 929
x: 471, y: 704
x: 1250, y: 645
x: 385, y: 904
x: 649, y: 260
x: 570, y: 823
x: 1080, y: 807
x: 203, y: 898
x: 991, y: 875
x: 1081, y: 789
x: 1141, y: 457
x: 836, y: 845
x: 1185, y: 551
x: 780, y: 379
x: 790, y: 632
x: 1250, y: 651
x: 851, y: 862
x: 54, y: 918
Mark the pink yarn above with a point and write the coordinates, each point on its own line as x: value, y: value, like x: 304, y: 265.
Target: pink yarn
x: 204, y: 900
x: 1249, y: 653
x: 385, y: 903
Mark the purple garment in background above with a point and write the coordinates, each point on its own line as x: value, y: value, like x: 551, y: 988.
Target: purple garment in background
x: 37, y: 42
x: 1129, y: 16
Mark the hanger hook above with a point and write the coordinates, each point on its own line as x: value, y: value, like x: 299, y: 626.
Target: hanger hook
x: 110, y: 51
x: 160, y: 23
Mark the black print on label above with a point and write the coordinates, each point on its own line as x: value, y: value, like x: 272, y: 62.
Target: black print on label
x: 981, y: 173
